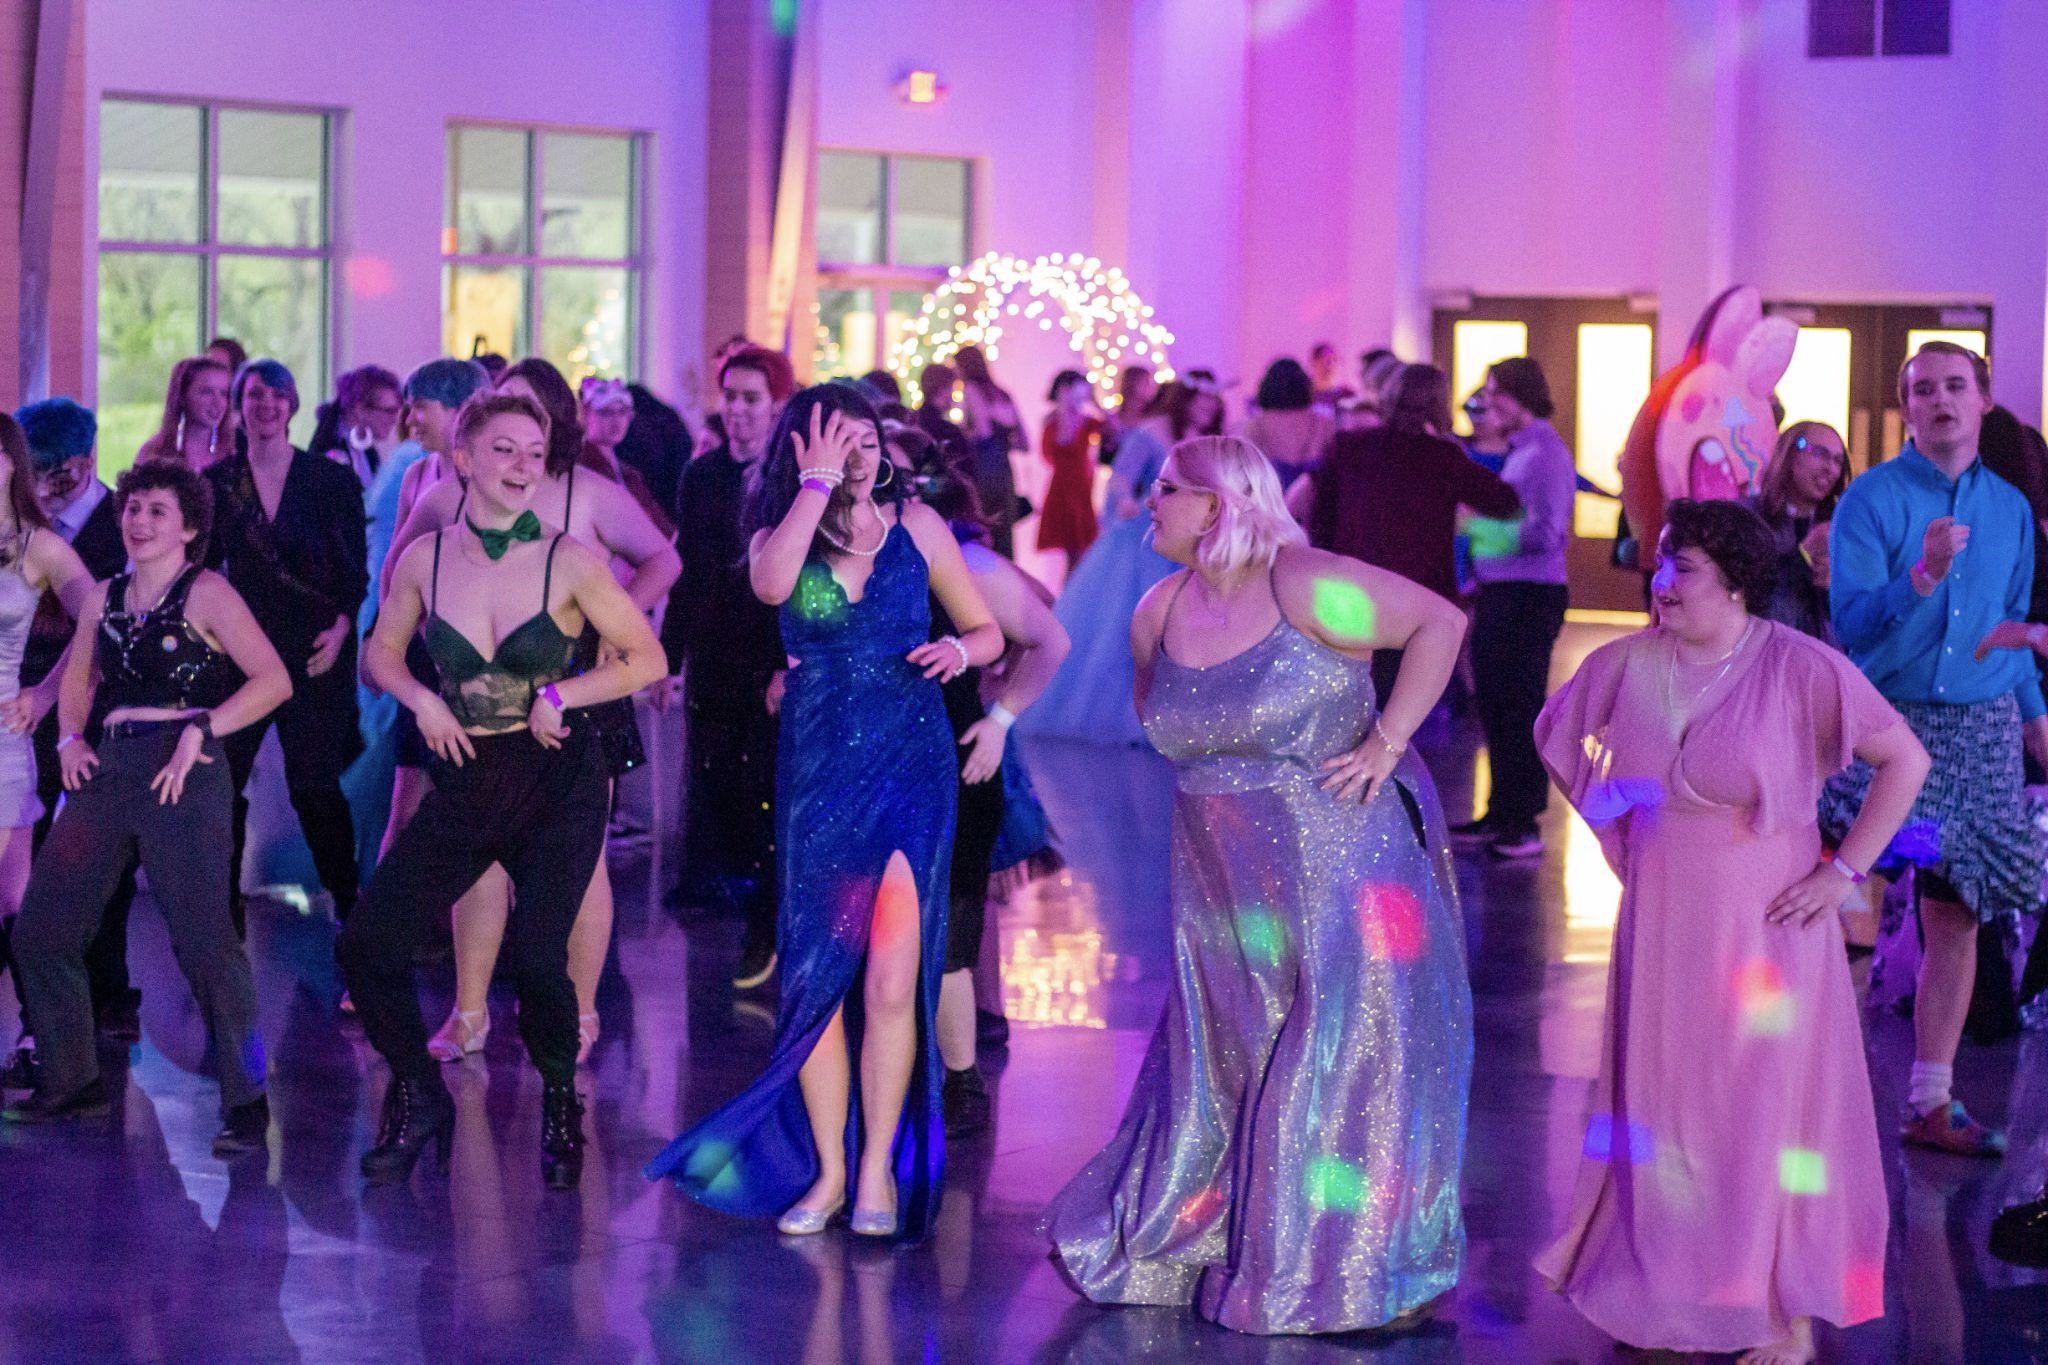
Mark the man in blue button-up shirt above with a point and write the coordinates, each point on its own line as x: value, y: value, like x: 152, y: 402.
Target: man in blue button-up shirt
x: 1928, y: 553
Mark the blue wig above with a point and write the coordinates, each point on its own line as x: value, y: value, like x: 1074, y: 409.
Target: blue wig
x: 274, y: 376
x: 57, y: 430
x: 447, y: 381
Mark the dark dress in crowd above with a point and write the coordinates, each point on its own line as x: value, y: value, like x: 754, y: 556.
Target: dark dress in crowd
x: 1391, y: 499
x: 657, y: 445
x: 98, y: 544
x: 298, y: 572
x: 727, y: 645
x: 1797, y: 599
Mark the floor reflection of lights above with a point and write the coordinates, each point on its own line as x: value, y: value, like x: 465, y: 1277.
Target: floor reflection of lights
x: 1575, y: 992
x: 1055, y: 970
x: 1592, y: 897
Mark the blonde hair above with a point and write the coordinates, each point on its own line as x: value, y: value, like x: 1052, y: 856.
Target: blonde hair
x: 1252, y: 522
x: 483, y: 405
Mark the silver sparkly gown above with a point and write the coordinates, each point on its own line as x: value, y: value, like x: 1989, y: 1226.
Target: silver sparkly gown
x: 19, y: 804
x: 1289, y: 1161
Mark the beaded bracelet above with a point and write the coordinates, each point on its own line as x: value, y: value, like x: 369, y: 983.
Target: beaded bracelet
x: 1395, y: 749
x: 954, y: 641
x: 823, y: 474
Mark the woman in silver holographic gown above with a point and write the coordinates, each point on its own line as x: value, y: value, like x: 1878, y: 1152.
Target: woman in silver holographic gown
x: 1290, y: 1158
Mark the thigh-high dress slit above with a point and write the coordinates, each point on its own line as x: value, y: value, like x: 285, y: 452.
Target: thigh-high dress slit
x: 865, y: 769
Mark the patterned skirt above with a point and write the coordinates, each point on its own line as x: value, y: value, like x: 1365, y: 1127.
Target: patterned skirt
x: 1974, y: 825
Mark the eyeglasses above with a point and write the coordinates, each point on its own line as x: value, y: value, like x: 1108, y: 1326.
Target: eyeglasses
x: 1474, y: 406
x: 60, y: 482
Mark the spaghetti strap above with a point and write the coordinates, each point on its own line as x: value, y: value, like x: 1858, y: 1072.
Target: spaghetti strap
x: 434, y: 583
x: 568, y: 500
x: 1166, y: 618
x: 181, y: 587
x: 547, y: 577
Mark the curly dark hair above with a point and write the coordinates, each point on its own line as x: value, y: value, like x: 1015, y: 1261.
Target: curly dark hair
x: 1734, y: 538
x: 186, y: 484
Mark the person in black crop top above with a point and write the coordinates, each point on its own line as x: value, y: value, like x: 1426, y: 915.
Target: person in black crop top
x: 181, y: 662
x: 502, y: 598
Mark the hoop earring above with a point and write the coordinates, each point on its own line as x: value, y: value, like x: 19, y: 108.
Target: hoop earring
x: 888, y: 466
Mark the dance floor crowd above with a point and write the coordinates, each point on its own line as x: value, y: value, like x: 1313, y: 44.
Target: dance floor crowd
x: 973, y: 896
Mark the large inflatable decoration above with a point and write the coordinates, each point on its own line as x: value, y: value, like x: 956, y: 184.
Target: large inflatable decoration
x: 1706, y: 429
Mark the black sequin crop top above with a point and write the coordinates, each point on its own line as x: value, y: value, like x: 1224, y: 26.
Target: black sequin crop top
x: 157, y: 657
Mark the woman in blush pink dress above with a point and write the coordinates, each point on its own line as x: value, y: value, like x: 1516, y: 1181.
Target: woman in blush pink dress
x: 1729, y: 1190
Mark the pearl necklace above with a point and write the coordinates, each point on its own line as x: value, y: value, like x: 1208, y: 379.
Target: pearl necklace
x: 836, y: 543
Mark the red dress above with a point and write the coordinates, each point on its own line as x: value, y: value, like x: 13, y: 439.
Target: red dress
x: 1067, y: 521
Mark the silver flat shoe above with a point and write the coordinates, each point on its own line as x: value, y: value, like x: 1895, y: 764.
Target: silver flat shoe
x: 808, y: 1222
x: 874, y: 1223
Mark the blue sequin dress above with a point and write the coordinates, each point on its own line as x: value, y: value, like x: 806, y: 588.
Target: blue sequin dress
x: 865, y: 767
x: 1290, y: 1158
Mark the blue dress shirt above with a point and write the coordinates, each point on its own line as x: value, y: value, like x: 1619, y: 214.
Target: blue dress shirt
x: 1918, y: 649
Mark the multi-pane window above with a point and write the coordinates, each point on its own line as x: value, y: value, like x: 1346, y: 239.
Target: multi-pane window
x: 1877, y: 28
x: 541, y: 239
x: 887, y: 229
x: 213, y: 220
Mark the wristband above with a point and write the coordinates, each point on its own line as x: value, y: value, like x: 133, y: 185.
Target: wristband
x: 817, y: 486
x: 1855, y: 878
x: 553, y: 698
x: 1002, y: 715
x: 68, y: 739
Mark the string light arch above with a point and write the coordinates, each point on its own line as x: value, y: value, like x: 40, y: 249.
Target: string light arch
x: 1105, y: 321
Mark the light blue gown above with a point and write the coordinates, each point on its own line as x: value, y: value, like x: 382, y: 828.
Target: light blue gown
x: 1090, y: 698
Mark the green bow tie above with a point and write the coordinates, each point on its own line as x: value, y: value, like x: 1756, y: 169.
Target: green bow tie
x: 497, y: 542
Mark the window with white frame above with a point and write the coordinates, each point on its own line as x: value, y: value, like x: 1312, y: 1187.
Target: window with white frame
x: 541, y: 247
x: 888, y: 227
x: 213, y: 221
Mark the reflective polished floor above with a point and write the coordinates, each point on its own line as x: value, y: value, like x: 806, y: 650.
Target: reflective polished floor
x: 125, y: 1239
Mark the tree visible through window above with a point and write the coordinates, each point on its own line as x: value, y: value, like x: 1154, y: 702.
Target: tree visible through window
x: 212, y: 221
x: 541, y: 242
x: 888, y: 227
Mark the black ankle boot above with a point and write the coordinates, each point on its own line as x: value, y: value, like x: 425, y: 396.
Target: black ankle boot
x: 244, y: 1128
x: 561, y: 1135
x: 2020, y: 1234
x: 417, y: 1111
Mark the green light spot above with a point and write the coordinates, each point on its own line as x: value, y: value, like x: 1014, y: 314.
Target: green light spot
x: 1801, y: 1170
x: 1262, y: 936
x: 782, y: 14
x: 1494, y: 539
x: 1344, y: 609
x: 1333, y: 1183
x: 817, y: 598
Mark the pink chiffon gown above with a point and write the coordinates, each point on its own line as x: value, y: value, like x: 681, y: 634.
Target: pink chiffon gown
x: 1729, y: 1179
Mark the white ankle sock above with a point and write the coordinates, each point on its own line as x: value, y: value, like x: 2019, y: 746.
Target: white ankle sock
x: 1928, y: 1088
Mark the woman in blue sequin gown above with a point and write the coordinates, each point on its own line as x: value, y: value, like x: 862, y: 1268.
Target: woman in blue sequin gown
x: 864, y: 812
x: 1289, y: 1161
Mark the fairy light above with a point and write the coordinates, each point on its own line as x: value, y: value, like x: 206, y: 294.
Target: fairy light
x: 1106, y: 323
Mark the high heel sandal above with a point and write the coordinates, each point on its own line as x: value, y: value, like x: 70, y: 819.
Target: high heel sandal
x: 561, y: 1135
x: 586, y: 1037
x: 463, y: 1034
x: 416, y: 1113
x: 802, y: 1222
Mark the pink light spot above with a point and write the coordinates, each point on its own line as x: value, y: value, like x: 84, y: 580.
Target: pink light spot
x: 369, y: 277
x: 1863, y: 1289
x: 1197, y: 1209
x: 1390, y: 918
x: 1767, y: 1007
